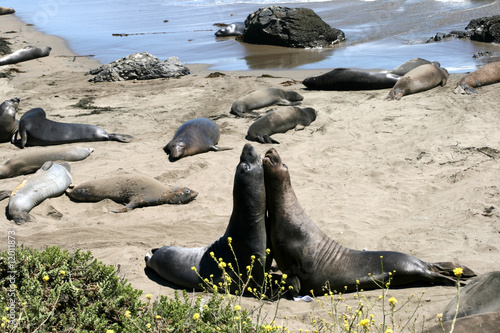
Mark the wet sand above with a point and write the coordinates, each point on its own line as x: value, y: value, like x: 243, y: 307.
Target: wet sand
x: 404, y: 176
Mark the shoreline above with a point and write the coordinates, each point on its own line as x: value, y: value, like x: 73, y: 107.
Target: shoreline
x: 402, y: 176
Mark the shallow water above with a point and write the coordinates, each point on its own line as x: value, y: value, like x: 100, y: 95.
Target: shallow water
x: 379, y: 34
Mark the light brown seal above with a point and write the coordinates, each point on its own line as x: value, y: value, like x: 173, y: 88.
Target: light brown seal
x: 487, y: 74
x: 134, y: 191
x: 28, y: 161
x: 195, y: 136
x: 313, y: 261
x: 8, y: 122
x: 421, y: 78
x: 51, y: 180
x: 480, y: 323
x: 6, y: 10
x: 264, y: 97
x: 25, y: 54
x: 280, y: 121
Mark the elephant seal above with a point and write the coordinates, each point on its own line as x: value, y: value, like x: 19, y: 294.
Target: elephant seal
x: 422, y: 78
x: 487, y: 74
x: 36, y: 130
x: 31, y: 160
x: 24, y: 54
x: 134, y: 191
x: 8, y: 122
x: 6, y: 10
x: 312, y: 260
x: 247, y: 229
x: 480, y: 295
x: 412, y: 64
x: 264, y: 97
x: 51, y: 180
x: 350, y: 79
x: 280, y: 121
x: 194, y: 137
x: 233, y: 29
x: 483, y: 323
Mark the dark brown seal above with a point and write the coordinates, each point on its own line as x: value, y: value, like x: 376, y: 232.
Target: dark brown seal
x: 280, y: 121
x: 194, y: 137
x: 487, y: 74
x: 134, y: 191
x: 312, y: 260
x: 246, y: 228
x: 342, y: 79
x: 36, y: 130
x: 421, y: 78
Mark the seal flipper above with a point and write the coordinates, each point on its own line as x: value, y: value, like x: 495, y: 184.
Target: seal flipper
x: 121, y: 137
x: 215, y: 148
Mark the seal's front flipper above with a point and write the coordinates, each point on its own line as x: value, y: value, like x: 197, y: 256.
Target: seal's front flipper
x: 121, y: 137
x: 4, y: 195
x: 286, y: 102
x: 215, y: 148
x: 268, y: 139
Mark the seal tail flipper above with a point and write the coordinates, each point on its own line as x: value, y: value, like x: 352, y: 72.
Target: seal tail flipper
x: 121, y: 137
x: 464, y: 89
x: 215, y: 148
x: 446, y: 268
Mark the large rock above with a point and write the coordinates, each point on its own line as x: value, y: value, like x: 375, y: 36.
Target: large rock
x: 139, y: 66
x: 485, y: 29
x: 292, y: 27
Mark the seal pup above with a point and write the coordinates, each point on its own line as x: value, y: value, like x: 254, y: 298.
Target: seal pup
x: 412, y: 64
x: 342, y: 79
x: 134, y: 191
x: 264, y: 97
x: 8, y: 122
x: 313, y: 260
x: 280, y: 121
x: 51, y: 180
x: 195, y: 136
x: 29, y: 161
x: 422, y: 78
x: 487, y: 74
x: 233, y: 29
x: 25, y: 54
x: 246, y: 228
x: 36, y: 130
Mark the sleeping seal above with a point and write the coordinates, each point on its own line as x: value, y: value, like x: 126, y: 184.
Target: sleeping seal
x: 487, y: 74
x: 24, y: 54
x: 264, y: 97
x: 342, y: 79
x: 312, y: 260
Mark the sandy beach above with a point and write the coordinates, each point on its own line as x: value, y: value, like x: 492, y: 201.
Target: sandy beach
x: 409, y: 176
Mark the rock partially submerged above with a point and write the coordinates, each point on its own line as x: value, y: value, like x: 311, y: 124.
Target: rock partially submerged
x: 139, y: 66
x: 290, y: 27
x: 484, y: 29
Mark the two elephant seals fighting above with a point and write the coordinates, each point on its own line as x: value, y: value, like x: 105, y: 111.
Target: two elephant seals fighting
x: 246, y: 228
x: 312, y: 260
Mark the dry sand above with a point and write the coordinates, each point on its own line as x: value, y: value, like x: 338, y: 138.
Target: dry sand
x: 404, y: 175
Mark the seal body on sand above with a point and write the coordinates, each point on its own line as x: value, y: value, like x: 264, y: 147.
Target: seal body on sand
x: 36, y: 130
x: 132, y: 190
x: 6, y: 10
x: 484, y: 323
x: 233, y: 29
x: 24, y: 54
x: 421, y: 78
x: 351, y: 79
x: 411, y: 64
x: 246, y: 228
x: 280, y: 121
x: 51, y: 180
x: 31, y: 160
x: 8, y: 122
x: 312, y: 260
x: 194, y: 137
x: 264, y: 97
x: 487, y: 74
x: 480, y: 295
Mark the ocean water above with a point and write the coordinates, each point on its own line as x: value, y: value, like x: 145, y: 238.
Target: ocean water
x: 380, y: 34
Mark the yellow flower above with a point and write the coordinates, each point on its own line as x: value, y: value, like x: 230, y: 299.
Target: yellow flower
x: 193, y: 268
x: 357, y: 281
x: 392, y: 301
x: 284, y: 276
x: 267, y: 328
x: 149, y: 296
x: 215, y: 288
x: 45, y: 278
x: 252, y: 257
x: 237, y: 308
x: 212, y: 254
x: 458, y: 271
x: 62, y: 273
x: 365, y: 323
x: 388, y: 330
x: 268, y: 251
x: 249, y: 289
x: 439, y: 315
x: 110, y: 331
x: 148, y: 325
x: 196, y: 316
x: 229, y: 240
x: 127, y: 314
x: 158, y: 317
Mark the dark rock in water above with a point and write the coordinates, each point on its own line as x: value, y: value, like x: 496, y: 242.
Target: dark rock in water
x: 485, y: 29
x: 452, y: 34
x: 139, y: 66
x: 291, y: 27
